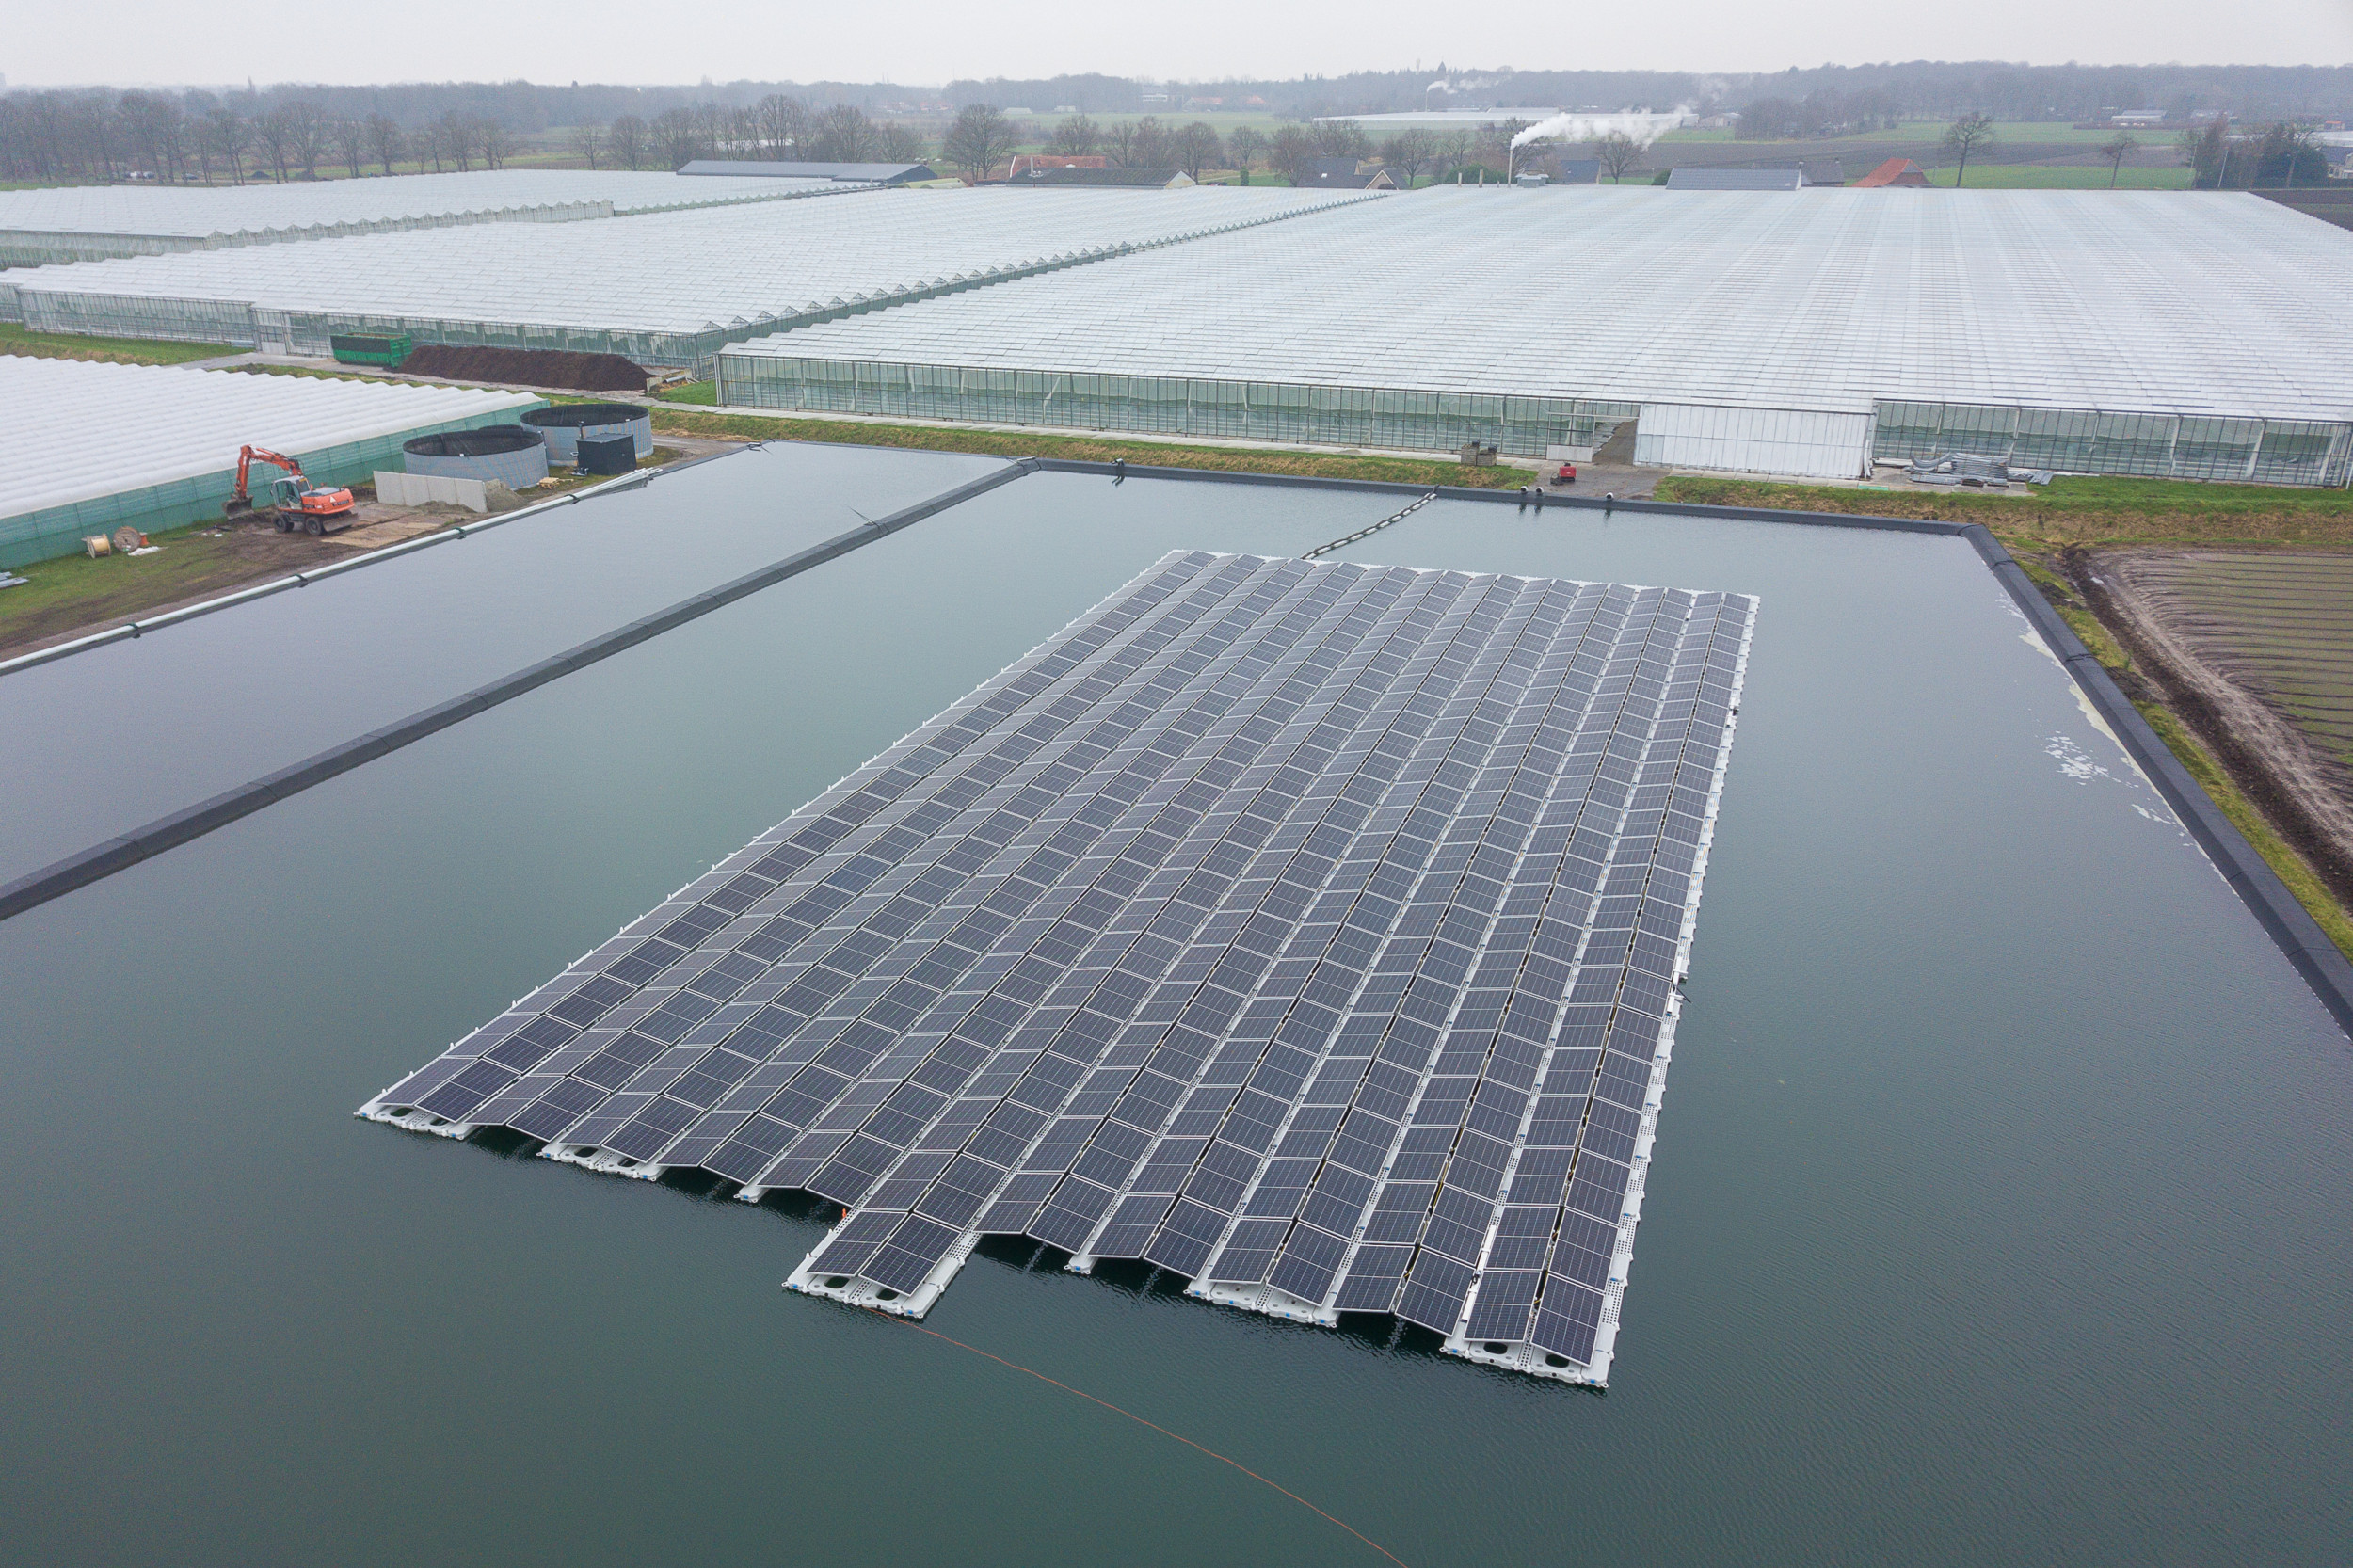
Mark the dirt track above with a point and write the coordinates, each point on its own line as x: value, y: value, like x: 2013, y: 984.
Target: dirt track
x: 2305, y: 793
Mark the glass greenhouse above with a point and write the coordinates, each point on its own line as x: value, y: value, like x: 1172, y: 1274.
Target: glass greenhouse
x: 2188, y: 335
x: 157, y: 447
x: 667, y: 290
x: 79, y: 223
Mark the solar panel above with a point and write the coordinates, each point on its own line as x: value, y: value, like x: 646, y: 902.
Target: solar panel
x: 1309, y: 929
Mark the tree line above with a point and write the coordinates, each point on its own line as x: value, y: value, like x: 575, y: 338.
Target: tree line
x: 198, y: 137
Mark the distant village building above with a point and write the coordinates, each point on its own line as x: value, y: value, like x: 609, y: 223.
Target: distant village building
x: 1152, y: 179
x: 1342, y: 174
x: 1028, y: 162
x: 1895, y: 171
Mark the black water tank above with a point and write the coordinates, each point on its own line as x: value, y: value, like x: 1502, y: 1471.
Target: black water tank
x: 607, y: 453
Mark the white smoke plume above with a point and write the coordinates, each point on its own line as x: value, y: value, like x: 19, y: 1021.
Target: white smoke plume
x: 1640, y: 127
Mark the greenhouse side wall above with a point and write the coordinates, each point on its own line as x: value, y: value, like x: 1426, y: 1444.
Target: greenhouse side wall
x: 2154, y: 446
x: 55, y: 531
x: 1244, y: 410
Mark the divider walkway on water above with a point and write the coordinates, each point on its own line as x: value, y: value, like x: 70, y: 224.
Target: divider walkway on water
x: 2282, y: 917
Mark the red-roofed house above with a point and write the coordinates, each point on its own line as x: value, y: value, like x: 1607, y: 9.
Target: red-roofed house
x: 1895, y: 171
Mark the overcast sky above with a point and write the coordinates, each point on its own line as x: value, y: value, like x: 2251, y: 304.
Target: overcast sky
x: 129, y: 43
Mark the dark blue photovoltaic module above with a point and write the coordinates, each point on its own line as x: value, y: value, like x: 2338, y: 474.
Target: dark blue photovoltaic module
x: 1309, y: 929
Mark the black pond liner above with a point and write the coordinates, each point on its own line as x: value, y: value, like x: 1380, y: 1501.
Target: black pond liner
x: 584, y: 416
x: 488, y: 442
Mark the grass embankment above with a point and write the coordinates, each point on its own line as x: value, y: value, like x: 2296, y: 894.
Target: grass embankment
x: 112, y: 351
x: 1012, y: 443
x: 2089, y: 512
x: 77, y: 593
x: 76, y: 590
x: 2086, y: 513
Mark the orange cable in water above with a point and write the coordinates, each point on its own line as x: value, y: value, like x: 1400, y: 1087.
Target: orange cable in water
x: 1164, y: 1433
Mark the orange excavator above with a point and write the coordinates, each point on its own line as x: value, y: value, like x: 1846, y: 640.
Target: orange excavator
x: 294, y: 501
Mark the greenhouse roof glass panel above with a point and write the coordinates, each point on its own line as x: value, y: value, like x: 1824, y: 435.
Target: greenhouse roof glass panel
x: 2188, y: 304
x: 108, y: 430
x: 197, y: 213
x: 683, y: 272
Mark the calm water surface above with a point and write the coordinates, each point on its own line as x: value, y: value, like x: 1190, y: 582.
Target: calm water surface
x: 1999, y: 1211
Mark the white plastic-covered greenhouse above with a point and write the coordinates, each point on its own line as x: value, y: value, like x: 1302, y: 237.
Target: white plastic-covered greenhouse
x: 77, y: 223
x: 2176, y: 334
x: 103, y: 445
x: 667, y: 290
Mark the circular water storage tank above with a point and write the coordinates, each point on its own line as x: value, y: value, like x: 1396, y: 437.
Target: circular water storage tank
x: 512, y: 455
x: 566, y: 423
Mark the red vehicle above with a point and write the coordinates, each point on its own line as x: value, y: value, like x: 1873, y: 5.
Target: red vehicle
x: 1567, y: 474
x: 294, y: 501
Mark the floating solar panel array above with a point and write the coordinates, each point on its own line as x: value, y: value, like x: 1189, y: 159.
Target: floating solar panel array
x: 1311, y: 931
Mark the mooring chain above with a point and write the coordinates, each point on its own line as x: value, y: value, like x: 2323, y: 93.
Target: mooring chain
x: 1369, y: 532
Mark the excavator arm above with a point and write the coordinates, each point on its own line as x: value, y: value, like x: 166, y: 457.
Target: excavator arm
x: 311, y: 510
x: 245, y: 469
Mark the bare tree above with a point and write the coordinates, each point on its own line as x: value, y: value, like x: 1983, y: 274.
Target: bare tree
x: 781, y: 124
x: 1151, y: 147
x: 981, y: 139
x: 1120, y: 142
x: 743, y: 131
x: 678, y: 134
x: 135, y: 114
x: 629, y: 138
x: 1408, y: 151
x: 1341, y: 138
x: 171, y: 128
x: 226, y: 134
x: 306, y: 136
x: 277, y: 139
x: 351, y: 140
x: 1197, y: 148
x: 1619, y: 153
x: 1246, y: 145
x: 900, y: 144
x: 384, y: 140
x: 588, y: 142
x: 844, y: 134
x: 1292, y: 146
x: 1077, y: 137
x: 496, y: 141
x: 457, y: 139
x: 2116, y: 150
x: 1967, y: 135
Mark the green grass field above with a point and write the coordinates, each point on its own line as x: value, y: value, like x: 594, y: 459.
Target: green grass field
x: 120, y: 351
x: 2084, y: 511
x: 1983, y: 176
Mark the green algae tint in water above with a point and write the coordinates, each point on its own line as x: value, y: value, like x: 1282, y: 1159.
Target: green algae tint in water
x: 1997, y: 1210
